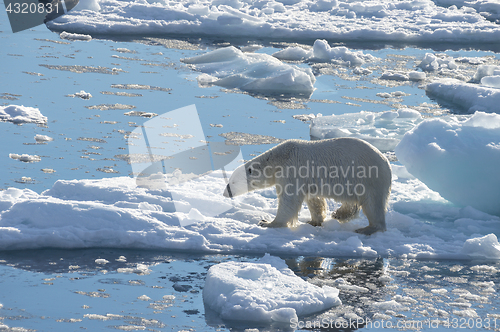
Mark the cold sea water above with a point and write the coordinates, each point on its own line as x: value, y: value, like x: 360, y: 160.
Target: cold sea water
x: 123, y: 289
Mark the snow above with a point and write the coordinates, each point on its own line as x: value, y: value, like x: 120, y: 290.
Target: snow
x: 384, y: 130
x: 231, y: 68
x: 21, y: 114
x: 266, y: 291
x: 403, y: 21
x: 458, y: 159
x: 468, y: 96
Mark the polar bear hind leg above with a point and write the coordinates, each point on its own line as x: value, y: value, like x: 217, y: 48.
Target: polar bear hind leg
x: 317, y: 208
x: 374, y: 209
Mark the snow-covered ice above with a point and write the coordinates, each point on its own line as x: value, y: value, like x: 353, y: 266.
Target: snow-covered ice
x: 82, y: 94
x: 114, y: 212
x: 395, y: 21
x: 433, y: 62
x: 458, y: 159
x: 25, y: 157
x: 42, y: 138
x: 21, y: 114
x: 231, y: 68
x: 322, y: 52
x: 266, y: 291
x: 467, y: 96
x: 75, y: 36
x: 384, y: 130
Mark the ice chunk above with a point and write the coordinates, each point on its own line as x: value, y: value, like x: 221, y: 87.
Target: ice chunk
x: 388, y: 305
x: 322, y: 52
x: 433, y: 62
x: 25, y: 157
x: 21, y: 114
x: 75, y: 36
x: 258, y: 73
x: 383, y: 130
x: 42, y: 138
x: 484, y: 70
x: 467, y: 96
x: 458, y: 159
x: 263, y: 292
x: 417, y: 76
x: 491, y: 81
x: 485, y: 247
x: 394, y: 76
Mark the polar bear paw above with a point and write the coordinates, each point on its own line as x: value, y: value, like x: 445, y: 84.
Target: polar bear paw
x: 369, y: 230
x: 271, y: 224
x: 265, y: 223
x: 315, y: 223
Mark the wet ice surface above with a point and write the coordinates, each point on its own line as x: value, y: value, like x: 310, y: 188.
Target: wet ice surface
x: 99, y: 289
x: 107, y: 289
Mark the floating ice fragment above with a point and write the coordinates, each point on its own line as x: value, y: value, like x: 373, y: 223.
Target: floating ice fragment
x: 43, y: 138
x: 322, y: 51
x: 482, y: 247
x: 466, y: 96
x: 75, y: 36
x: 491, y: 81
x: 21, y: 114
x: 257, y: 73
x: 442, y: 154
x: 25, y: 157
x: 484, y: 70
x: 384, y: 129
x: 433, y: 62
x: 263, y: 292
x: 417, y: 76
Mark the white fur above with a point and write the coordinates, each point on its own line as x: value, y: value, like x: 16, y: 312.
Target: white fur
x: 300, y: 168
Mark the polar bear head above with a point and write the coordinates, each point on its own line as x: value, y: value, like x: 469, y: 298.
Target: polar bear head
x: 251, y: 176
x: 258, y: 173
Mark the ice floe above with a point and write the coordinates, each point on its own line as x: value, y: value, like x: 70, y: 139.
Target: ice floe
x: 466, y: 96
x: 458, y: 159
x: 21, y: 114
x: 231, y: 68
x: 114, y: 212
x: 389, y: 21
x: 75, y: 36
x: 266, y: 291
x: 384, y: 129
x: 322, y: 52
x: 25, y: 157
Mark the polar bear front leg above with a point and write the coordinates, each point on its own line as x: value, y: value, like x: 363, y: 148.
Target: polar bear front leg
x: 317, y: 208
x: 288, y: 211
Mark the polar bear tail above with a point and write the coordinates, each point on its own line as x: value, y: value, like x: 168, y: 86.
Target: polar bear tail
x: 346, y: 212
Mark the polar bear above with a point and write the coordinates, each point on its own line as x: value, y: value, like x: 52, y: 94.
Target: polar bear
x: 348, y: 170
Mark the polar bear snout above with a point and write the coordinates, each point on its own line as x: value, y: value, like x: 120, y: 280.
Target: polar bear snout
x: 237, y: 184
x: 228, y: 192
